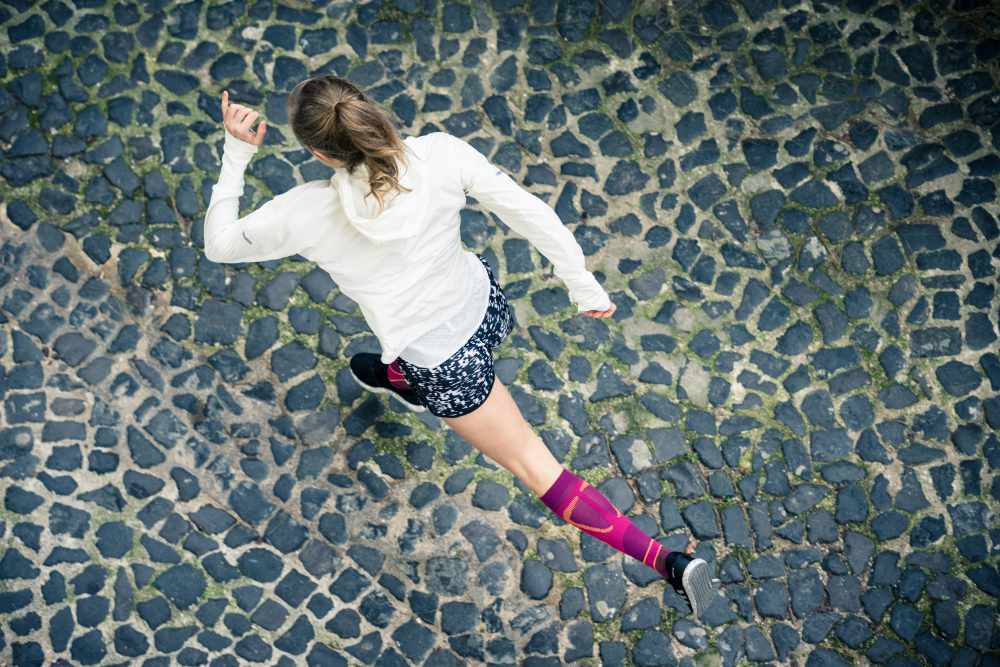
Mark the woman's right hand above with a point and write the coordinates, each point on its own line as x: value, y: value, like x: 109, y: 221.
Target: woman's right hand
x: 600, y: 313
x: 237, y: 120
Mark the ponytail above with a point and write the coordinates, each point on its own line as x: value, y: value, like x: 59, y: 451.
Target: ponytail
x: 331, y: 115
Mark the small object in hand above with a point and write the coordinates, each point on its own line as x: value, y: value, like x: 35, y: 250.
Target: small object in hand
x: 237, y: 120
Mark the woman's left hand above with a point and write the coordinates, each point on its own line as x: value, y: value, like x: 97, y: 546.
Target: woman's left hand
x: 237, y: 120
x: 600, y: 313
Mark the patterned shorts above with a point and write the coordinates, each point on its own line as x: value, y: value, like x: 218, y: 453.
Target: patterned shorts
x: 462, y: 382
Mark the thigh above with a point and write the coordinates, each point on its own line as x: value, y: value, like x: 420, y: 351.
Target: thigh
x: 499, y: 431
x: 457, y: 386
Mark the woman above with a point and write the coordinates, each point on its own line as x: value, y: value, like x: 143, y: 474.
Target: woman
x: 386, y: 229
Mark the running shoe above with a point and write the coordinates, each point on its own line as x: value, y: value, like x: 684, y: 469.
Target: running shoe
x: 375, y: 376
x: 691, y: 578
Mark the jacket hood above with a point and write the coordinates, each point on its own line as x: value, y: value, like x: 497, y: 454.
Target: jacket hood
x: 403, y: 215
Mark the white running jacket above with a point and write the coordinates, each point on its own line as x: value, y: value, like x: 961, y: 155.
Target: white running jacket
x: 421, y: 293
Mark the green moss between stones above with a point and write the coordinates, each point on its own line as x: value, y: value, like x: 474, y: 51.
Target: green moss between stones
x: 708, y: 658
x: 743, y: 554
x: 629, y: 406
x: 604, y: 631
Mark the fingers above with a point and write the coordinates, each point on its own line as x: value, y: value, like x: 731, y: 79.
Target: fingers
x: 239, y: 119
x: 606, y: 313
x: 601, y: 313
x: 238, y: 114
x: 229, y: 111
x: 247, y: 120
x: 233, y: 114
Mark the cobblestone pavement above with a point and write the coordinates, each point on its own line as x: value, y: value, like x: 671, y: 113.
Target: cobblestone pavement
x: 793, y: 205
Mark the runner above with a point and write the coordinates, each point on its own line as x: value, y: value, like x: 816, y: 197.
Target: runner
x: 386, y: 229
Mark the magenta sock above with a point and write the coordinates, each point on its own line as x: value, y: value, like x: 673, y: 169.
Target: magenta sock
x: 579, y: 504
x: 395, y: 375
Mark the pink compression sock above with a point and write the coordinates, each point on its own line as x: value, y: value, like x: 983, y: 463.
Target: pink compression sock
x: 582, y: 505
x: 395, y: 375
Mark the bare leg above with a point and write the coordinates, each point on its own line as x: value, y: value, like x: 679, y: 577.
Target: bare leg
x: 497, y: 429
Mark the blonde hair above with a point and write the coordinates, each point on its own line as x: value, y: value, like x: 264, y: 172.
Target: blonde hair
x: 331, y: 115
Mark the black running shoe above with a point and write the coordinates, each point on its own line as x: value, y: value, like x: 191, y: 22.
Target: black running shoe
x: 371, y: 374
x: 691, y: 578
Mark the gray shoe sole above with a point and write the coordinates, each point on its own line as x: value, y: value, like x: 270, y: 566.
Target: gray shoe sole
x: 383, y: 390
x: 697, y: 582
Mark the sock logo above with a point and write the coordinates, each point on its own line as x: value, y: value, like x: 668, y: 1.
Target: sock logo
x: 648, y: 547
x: 592, y: 516
x: 246, y: 238
x: 583, y: 506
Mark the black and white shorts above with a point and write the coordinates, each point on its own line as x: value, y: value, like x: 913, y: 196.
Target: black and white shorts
x: 462, y: 382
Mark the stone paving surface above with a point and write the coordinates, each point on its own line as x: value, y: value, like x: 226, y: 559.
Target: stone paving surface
x: 793, y: 205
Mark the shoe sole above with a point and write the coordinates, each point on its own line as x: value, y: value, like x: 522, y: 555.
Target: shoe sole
x: 697, y: 582
x: 383, y: 390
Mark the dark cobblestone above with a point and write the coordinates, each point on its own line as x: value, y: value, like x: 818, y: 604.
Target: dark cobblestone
x: 813, y: 382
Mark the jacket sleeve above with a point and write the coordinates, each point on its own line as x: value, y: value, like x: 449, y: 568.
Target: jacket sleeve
x: 532, y: 218
x: 273, y: 231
